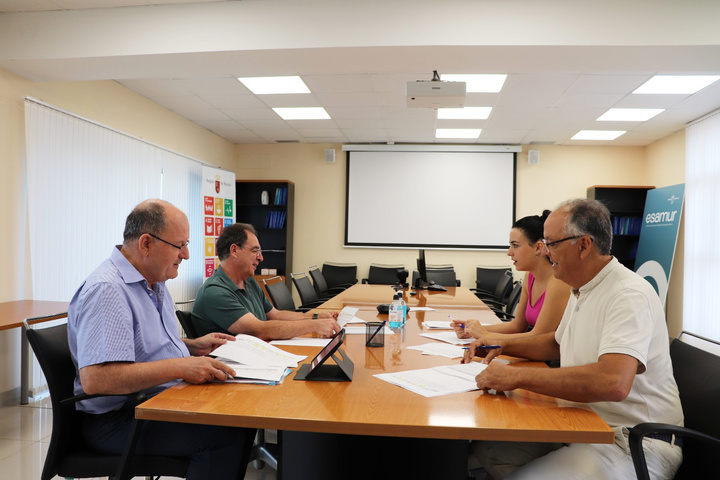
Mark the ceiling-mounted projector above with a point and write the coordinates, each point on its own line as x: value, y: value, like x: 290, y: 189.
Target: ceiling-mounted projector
x: 435, y: 93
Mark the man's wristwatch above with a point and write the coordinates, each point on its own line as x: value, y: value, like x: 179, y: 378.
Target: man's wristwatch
x: 315, y: 316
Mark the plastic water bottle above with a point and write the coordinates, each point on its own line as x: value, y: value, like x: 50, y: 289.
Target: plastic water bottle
x: 403, y: 309
x: 395, y: 313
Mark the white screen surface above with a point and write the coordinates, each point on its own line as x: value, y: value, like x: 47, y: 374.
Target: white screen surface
x: 430, y: 199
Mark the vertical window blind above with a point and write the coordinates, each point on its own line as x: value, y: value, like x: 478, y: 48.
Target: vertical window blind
x: 701, y: 303
x: 83, y: 179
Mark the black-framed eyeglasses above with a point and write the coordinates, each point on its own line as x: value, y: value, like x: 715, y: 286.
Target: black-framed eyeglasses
x: 179, y: 247
x: 550, y: 244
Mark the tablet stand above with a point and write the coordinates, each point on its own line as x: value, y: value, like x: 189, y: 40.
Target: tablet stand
x: 341, y: 372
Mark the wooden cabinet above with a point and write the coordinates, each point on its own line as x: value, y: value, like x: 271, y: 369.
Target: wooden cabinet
x: 626, y: 205
x: 272, y: 220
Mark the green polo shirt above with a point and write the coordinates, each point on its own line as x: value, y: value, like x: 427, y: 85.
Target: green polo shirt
x: 219, y: 303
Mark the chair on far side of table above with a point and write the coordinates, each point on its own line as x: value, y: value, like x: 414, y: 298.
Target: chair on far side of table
x: 486, y: 278
x: 337, y: 274
x: 308, y: 296
x: 321, y: 287
x: 279, y: 294
x: 68, y: 454
x: 383, y: 274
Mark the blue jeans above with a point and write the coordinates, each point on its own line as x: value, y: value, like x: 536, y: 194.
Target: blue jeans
x: 217, y: 453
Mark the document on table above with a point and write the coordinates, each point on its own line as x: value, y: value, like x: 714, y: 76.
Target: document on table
x: 449, y: 337
x: 347, y: 315
x: 256, y: 374
x: 360, y: 330
x: 250, y: 350
x: 302, y: 341
x: 441, y: 349
x: 437, y: 324
x: 433, y: 382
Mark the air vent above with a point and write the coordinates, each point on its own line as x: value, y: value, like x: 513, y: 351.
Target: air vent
x: 287, y: 141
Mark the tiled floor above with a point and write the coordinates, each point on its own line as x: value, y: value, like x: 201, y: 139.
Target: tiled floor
x: 25, y: 435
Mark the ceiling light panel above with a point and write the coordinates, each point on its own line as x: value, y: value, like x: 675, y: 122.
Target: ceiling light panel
x: 597, y: 134
x: 676, y: 84
x: 629, y: 114
x: 274, y: 85
x: 303, y: 113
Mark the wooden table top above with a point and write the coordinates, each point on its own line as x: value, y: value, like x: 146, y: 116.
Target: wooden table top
x: 370, y: 296
x: 13, y: 313
x: 370, y: 406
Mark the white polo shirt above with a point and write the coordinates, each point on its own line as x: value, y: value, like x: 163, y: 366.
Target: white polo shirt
x: 619, y: 312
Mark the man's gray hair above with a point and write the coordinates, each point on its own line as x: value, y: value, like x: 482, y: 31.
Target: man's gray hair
x: 589, y: 217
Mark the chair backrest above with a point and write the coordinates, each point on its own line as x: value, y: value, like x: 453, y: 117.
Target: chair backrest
x: 339, y: 274
x: 279, y: 294
x: 383, y: 274
x: 486, y: 278
x: 440, y: 276
x: 503, y: 288
x: 513, y: 298
x: 319, y: 283
x: 186, y: 321
x: 304, y: 287
x: 696, y: 374
x: 53, y: 353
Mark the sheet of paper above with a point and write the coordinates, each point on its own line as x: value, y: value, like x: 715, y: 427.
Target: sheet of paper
x: 250, y: 350
x: 422, y: 309
x: 449, y: 337
x: 346, y: 315
x: 303, y: 341
x: 439, y: 324
x: 433, y: 382
x: 248, y: 373
x: 360, y: 330
x: 440, y: 349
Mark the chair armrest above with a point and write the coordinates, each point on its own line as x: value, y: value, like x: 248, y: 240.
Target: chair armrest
x: 502, y: 315
x: 641, y: 430
x: 493, y: 303
x: 135, y: 398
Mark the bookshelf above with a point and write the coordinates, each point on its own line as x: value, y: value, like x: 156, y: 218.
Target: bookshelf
x: 273, y: 221
x: 626, y: 205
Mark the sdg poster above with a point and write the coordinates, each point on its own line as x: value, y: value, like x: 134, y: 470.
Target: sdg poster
x: 218, y: 194
x: 658, y: 236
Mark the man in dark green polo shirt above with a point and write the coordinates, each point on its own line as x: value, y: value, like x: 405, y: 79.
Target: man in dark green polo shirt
x: 231, y: 301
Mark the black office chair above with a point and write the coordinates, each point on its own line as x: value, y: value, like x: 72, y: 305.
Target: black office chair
x: 308, y: 296
x: 68, y: 455
x: 500, y: 293
x: 337, y: 274
x: 440, y: 275
x: 486, y: 278
x: 321, y: 287
x: 384, y: 274
x: 505, y: 310
x: 279, y: 294
x: 186, y: 321
x: 696, y: 374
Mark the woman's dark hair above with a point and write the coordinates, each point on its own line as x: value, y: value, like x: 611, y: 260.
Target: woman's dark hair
x: 532, y: 226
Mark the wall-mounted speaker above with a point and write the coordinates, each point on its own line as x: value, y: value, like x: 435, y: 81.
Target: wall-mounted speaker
x: 330, y: 155
x: 533, y: 157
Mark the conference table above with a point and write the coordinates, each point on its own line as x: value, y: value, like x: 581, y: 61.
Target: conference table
x: 12, y: 315
x: 358, y: 426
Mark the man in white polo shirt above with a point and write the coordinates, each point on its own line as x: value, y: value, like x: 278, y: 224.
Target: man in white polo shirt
x: 613, y: 347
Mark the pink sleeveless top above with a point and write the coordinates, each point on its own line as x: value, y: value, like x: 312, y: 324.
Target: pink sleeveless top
x: 532, y: 312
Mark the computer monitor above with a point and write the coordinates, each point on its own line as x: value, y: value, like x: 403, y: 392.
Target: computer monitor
x: 422, y: 280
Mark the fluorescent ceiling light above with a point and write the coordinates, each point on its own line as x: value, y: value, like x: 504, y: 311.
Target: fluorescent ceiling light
x: 629, y: 114
x: 302, y: 113
x: 483, y: 83
x: 677, y: 84
x: 597, y: 134
x: 270, y: 85
x: 457, y: 132
x: 467, y: 113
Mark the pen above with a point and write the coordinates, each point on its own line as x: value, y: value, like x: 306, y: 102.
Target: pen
x: 484, y: 347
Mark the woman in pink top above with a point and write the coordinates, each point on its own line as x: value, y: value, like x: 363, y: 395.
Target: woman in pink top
x: 543, y: 298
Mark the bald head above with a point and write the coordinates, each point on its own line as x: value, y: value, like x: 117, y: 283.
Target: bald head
x: 150, y: 216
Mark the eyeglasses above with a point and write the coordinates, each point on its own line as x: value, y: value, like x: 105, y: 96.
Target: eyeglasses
x: 550, y: 244
x: 179, y: 247
x: 257, y: 251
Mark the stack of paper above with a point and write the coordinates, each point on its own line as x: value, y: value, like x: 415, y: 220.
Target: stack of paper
x: 257, y: 361
x: 449, y: 337
x: 432, y: 382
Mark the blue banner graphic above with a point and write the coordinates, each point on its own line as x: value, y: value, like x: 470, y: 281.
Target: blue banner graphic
x: 658, y: 236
